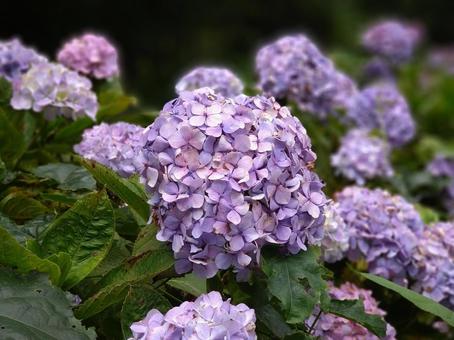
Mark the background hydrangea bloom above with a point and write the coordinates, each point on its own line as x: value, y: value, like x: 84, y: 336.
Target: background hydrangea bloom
x: 221, y: 80
x: 361, y: 157
x: 384, y: 231
x: 117, y: 146
x: 332, y: 327
x: 435, y: 258
x: 443, y: 166
x: 442, y: 58
x: 335, y: 238
x: 228, y: 175
x: 55, y: 90
x: 392, y: 39
x: 90, y: 54
x: 208, y: 317
x: 381, y: 106
x: 16, y: 59
x: 293, y: 68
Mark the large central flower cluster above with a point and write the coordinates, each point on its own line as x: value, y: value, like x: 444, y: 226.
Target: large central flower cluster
x: 384, y: 231
x: 332, y: 327
x: 228, y: 175
x: 208, y: 317
x: 381, y: 106
x: 362, y: 157
x: 294, y: 68
x: 55, y: 90
x: 221, y: 80
x: 117, y: 146
x: 16, y: 59
x: 391, y: 39
x: 90, y: 54
x: 435, y: 257
x: 336, y: 238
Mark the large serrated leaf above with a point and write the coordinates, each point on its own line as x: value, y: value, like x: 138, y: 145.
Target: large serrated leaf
x: 68, y: 176
x: 32, y: 309
x: 20, y: 206
x: 85, y: 232
x: 146, y: 240
x: 13, y: 229
x: 190, y: 283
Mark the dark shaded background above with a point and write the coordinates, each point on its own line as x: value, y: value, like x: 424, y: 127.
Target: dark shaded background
x: 161, y: 39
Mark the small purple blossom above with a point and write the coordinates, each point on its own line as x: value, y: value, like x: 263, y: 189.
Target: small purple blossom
x: 117, y: 146
x: 392, y: 39
x: 441, y: 166
x: 90, y: 54
x: 362, y: 157
x: 384, y: 231
x: 227, y: 176
x: 16, y: 59
x: 381, y: 106
x: 208, y: 317
x: 442, y: 58
x: 332, y: 327
x: 54, y: 90
x: 336, y: 237
x: 221, y: 80
x: 293, y: 68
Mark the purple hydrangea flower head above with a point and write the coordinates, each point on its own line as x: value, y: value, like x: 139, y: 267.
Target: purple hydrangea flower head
x: 117, y: 146
x: 221, y: 80
x: 92, y: 55
x: 384, y: 231
x: 378, y: 69
x: 442, y: 58
x: 208, y: 317
x: 441, y: 166
x: 227, y: 175
x: 293, y: 68
x: 381, y: 106
x: 332, y: 327
x: 392, y: 39
x: 335, y: 238
x: 362, y: 157
x: 54, y: 90
x: 435, y: 259
x: 16, y: 59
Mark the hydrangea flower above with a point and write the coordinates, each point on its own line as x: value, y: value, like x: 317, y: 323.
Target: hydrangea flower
x: 117, y: 146
x: 332, y: 327
x: 221, y: 80
x: 335, y: 238
x: 381, y: 106
x: 361, y: 157
x: 441, y: 166
x: 442, y: 58
x: 378, y: 69
x: 16, y: 59
x: 384, y: 231
x: 55, y: 90
x: 90, y: 54
x: 293, y: 68
x: 392, y: 39
x: 229, y: 175
x: 435, y: 259
x: 208, y: 317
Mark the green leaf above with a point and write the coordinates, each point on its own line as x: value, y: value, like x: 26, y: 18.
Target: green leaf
x: 354, y: 310
x: 12, y: 145
x: 112, y: 100
x: 85, y: 232
x: 63, y: 260
x: 71, y: 133
x: 13, y: 229
x: 296, y: 281
x: 190, y: 283
x: 146, y: 240
x: 418, y: 300
x: 6, y: 91
x: 273, y: 320
x: 140, y: 300
x: 19, y: 206
x: 68, y: 176
x: 32, y: 309
x: 126, y: 189
x: 12, y: 254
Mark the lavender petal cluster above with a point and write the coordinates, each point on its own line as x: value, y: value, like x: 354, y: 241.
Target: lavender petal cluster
x: 384, y: 231
x: 442, y: 58
x: 362, y: 157
x: 55, y: 90
x: 392, y: 39
x: 208, y: 317
x: 117, y: 146
x: 331, y: 327
x: 228, y: 175
x: 90, y: 54
x: 293, y: 68
x: 221, y: 80
x: 435, y: 259
x: 16, y: 59
x: 443, y: 166
x: 336, y: 238
x: 382, y: 107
